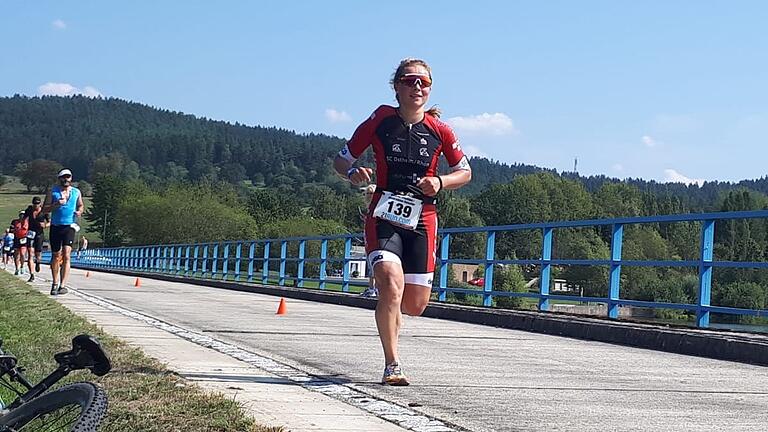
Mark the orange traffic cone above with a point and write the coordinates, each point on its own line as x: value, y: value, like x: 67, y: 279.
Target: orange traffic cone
x: 281, y: 310
x: 137, y: 283
x: 87, y: 274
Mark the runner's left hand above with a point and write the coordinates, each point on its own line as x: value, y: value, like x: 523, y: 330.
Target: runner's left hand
x: 429, y: 186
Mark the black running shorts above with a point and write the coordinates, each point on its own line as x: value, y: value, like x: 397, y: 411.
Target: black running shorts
x: 414, y: 250
x: 61, y: 235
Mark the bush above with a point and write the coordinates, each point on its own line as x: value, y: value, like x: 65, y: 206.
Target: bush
x: 509, y: 279
x: 183, y: 214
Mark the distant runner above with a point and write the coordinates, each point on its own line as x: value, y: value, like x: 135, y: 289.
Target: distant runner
x: 38, y: 221
x: 65, y: 202
x: 7, y: 251
x: 83, y: 246
x: 20, y: 227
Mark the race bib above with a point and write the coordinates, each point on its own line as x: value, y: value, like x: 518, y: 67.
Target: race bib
x: 31, y: 235
x: 400, y: 210
x: 23, y: 241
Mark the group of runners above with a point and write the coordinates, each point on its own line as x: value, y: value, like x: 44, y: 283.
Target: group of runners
x: 22, y: 242
x: 400, y: 221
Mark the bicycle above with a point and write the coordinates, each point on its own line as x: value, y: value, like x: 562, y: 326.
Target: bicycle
x: 78, y: 407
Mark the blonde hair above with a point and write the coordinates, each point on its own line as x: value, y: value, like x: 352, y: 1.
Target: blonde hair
x: 434, y: 111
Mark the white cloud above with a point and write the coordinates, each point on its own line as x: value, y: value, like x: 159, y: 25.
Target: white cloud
x: 649, y: 141
x: 91, y: 92
x: 490, y: 124
x: 672, y: 176
x: 472, y: 151
x: 65, y: 89
x: 618, y: 167
x: 335, y: 116
x: 59, y: 24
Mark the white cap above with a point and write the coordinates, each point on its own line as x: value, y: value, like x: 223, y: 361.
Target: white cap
x: 64, y: 172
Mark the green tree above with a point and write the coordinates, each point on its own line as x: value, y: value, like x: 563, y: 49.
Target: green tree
x: 618, y: 200
x: 38, y: 174
x: 183, y: 214
x: 455, y: 211
x: 741, y: 294
x: 583, y: 243
x: 508, y: 278
x: 85, y: 188
x: 114, y: 164
x: 268, y: 205
x: 109, y: 194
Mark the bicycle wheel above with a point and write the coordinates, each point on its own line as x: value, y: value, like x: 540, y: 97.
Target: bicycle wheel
x: 78, y: 407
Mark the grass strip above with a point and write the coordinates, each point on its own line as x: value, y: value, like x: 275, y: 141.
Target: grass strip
x: 143, y: 395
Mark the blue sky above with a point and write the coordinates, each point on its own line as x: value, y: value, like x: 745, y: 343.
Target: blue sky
x: 671, y: 91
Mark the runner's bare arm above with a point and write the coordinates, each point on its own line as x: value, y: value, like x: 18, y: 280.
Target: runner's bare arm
x: 48, y: 205
x: 430, y: 186
x: 343, y: 168
x: 79, y: 211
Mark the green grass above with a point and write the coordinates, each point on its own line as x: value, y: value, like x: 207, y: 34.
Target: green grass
x: 143, y: 395
x: 14, y: 197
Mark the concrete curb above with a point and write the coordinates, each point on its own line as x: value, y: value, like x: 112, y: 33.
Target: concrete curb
x: 716, y: 344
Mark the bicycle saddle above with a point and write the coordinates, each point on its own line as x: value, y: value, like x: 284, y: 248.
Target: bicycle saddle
x: 86, y: 353
x: 7, y: 362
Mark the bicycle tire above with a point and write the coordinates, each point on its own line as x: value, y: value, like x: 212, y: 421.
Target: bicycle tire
x: 91, y: 399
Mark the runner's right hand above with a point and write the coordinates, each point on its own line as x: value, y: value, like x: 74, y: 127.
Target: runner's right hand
x: 361, y: 175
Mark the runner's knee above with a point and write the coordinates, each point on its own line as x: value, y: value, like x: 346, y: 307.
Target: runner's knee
x: 413, y: 307
x: 415, y: 300
x: 389, y: 281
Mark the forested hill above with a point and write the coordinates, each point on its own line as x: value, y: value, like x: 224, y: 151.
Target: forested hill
x: 161, y: 144
x: 75, y: 131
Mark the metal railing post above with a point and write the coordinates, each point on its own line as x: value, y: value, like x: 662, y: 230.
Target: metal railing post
x: 444, y: 245
x: 251, y: 251
x: 205, y: 261
x: 283, y: 256
x: 238, y: 256
x: 265, y: 264
x: 323, y: 262
x: 705, y: 272
x: 546, y: 270
x: 345, y: 270
x: 615, y: 281
x: 300, y: 270
x: 490, y: 251
x: 225, y: 262
x: 187, y: 250
x: 215, y: 262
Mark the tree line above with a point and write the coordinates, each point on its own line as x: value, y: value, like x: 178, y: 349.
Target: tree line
x: 165, y: 177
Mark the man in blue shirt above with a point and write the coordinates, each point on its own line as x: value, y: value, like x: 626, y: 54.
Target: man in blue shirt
x: 65, y: 202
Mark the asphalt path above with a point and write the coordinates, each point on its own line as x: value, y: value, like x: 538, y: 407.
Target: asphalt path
x: 469, y: 376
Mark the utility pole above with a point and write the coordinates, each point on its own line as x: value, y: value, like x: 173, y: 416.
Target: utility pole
x: 576, y: 165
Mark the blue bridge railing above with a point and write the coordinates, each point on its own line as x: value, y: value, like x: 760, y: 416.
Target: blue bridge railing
x: 259, y: 261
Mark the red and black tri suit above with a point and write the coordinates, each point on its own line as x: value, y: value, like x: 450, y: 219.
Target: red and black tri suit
x: 404, y: 153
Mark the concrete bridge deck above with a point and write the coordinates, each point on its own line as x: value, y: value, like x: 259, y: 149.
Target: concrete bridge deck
x: 464, y: 376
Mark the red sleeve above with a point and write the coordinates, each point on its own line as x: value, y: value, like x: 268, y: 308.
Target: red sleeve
x: 362, y: 138
x: 451, y: 148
